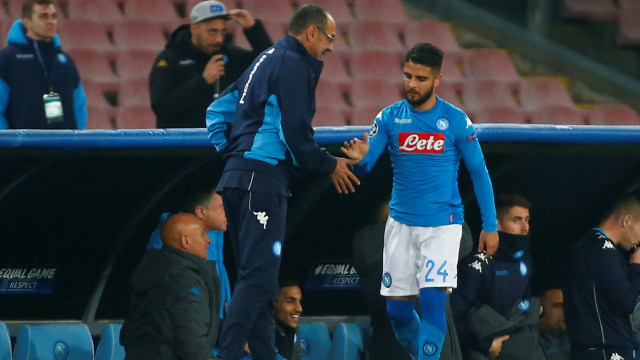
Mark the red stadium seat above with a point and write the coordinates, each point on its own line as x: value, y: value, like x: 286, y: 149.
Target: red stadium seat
x: 375, y: 93
x: 135, y: 117
x: 270, y: 10
x: 328, y: 116
x: 134, y: 93
x: 94, y: 65
x: 497, y: 113
x: 375, y: 35
x: 557, y: 114
x: 448, y: 92
x: 479, y: 94
x: 629, y: 27
x: 100, y: 117
x: 380, y: 65
x: 276, y: 31
x: 365, y: 115
x: 540, y: 92
x: 436, y: 32
x: 104, y: 12
x: 159, y: 11
x: 599, y: 10
x: 135, y: 64
x: 334, y: 69
x: 390, y: 10
x: 338, y: 8
x: 488, y: 63
x: 94, y: 93
x: 139, y: 34
x: 330, y: 94
x: 451, y: 73
x: 613, y: 114
x: 84, y: 34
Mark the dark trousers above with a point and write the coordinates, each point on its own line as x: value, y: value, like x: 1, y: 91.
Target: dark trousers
x: 602, y: 354
x: 256, y: 228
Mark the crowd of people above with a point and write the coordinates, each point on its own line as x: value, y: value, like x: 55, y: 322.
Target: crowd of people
x: 427, y: 300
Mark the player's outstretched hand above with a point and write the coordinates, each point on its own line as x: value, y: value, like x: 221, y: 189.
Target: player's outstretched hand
x: 356, y: 149
x: 489, y: 242
x: 343, y: 179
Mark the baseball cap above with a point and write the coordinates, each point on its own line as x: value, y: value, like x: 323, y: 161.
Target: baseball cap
x: 207, y: 10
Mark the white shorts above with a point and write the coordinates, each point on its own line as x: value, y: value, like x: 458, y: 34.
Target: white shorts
x: 417, y: 257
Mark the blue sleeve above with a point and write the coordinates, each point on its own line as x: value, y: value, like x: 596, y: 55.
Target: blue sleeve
x: 621, y: 288
x: 467, y: 144
x: 80, y: 106
x: 220, y: 115
x: 155, y: 242
x: 378, y: 136
x: 295, y: 101
x: 4, y: 100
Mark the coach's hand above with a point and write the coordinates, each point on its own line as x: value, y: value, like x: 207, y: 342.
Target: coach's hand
x: 343, y: 179
x: 489, y: 242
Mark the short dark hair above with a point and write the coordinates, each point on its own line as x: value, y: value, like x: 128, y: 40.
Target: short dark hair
x: 307, y: 15
x: 504, y: 202
x: 425, y: 54
x: 199, y: 198
x: 27, y: 8
x: 625, y: 204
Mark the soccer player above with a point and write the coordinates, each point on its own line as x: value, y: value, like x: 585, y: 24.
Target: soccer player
x: 426, y: 137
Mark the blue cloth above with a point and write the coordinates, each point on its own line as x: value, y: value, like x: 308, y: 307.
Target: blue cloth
x: 23, y: 83
x: 433, y: 323
x: 268, y: 129
x: 425, y: 149
x: 215, y: 254
x: 406, y: 324
x: 600, y: 293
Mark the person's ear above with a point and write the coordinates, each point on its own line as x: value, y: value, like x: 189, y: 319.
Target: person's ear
x: 185, y: 242
x: 200, y: 211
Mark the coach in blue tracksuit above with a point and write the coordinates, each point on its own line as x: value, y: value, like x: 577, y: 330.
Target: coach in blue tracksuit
x: 603, y: 285
x: 34, y: 70
x: 266, y: 117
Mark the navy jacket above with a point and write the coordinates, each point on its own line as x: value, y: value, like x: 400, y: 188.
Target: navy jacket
x: 23, y: 83
x: 600, y: 293
x: 501, y: 282
x: 263, y: 121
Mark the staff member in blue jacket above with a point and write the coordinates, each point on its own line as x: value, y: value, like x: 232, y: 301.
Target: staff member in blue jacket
x: 603, y: 285
x: 263, y: 123
x: 40, y: 86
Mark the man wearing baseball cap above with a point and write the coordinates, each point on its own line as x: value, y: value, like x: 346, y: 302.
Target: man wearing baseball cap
x: 197, y: 63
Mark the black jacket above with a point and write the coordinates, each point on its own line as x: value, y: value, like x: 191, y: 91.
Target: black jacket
x: 600, y: 293
x: 179, y: 94
x: 175, y: 306
x: 288, y: 343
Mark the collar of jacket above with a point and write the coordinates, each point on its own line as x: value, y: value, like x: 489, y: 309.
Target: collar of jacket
x: 17, y: 35
x: 291, y: 43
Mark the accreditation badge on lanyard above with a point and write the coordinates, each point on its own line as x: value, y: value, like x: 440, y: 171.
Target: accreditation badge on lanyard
x: 52, y: 102
x: 52, y: 108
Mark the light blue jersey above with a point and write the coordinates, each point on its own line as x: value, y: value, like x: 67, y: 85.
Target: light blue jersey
x: 425, y: 149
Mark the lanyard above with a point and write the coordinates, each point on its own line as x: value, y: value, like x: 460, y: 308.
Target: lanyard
x: 44, y: 68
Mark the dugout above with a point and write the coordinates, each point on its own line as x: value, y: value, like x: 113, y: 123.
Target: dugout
x: 77, y: 207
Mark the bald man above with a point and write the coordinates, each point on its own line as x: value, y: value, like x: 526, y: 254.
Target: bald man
x: 175, y: 296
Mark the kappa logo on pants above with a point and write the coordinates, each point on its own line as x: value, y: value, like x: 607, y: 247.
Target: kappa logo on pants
x: 262, y: 218
x: 616, y: 356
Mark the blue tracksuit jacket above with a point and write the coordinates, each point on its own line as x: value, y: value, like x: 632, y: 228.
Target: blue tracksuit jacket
x: 23, y: 83
x: 263, y: 121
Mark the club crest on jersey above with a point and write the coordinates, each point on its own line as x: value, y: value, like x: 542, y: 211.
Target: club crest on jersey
x: 374, y: 129
x: 442, y: 124
x: 277, y: 248
x: 523, y: 268
x: 524, y: 305
x: 386, y: 280
x: 421, y: 143
x: 62, y: 59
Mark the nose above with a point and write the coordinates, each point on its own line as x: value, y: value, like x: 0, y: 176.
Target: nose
x: 525, y: 228
x: 298, y: 307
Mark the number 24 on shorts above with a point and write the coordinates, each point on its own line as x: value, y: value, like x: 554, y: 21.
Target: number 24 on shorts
x: 441, y: 271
